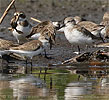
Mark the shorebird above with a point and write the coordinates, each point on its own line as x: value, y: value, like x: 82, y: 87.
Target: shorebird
x: 78, y: 19
x: 20, y: 26
x: 45, y: 28
x: 105, y: 22
x: 76, y: 34
x: 94, y: 28
x: 37, y: 30
x: 4, y: 46
x: 31, y: 48
x: 105, y: 32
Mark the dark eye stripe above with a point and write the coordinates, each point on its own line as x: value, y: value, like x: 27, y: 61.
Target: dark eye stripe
x: 71, y: 21
x: 22, y: 16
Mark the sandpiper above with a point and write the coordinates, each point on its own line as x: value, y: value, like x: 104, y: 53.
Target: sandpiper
x: 105, y: 32
x: 105, y: 20
x: 76, y: 34
x: 31, y: 48
x: 78, y: 19
x: 20, y: 26
x: 94, y: 28
x: 4, y: 46
x: 43, y: 28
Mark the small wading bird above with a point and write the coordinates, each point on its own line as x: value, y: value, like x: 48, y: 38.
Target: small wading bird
x: 46, y: 26
x: 76, y: 34
x: 20, y: 26
x: 105, y: 22
x: 32, y: 48
x: 4, y: 47
x: 78, y: 19
x: 94, y: 28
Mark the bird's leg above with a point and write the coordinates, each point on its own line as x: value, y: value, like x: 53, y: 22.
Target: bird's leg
x: 31, y: 65
x: 46, y: 54
x: 1, y: 65
x: 45, y: 74
x: 79, y: 77
x: 26, y: 66
x: 79, y: 49
x: 101, y: 37
x: 18, y: 41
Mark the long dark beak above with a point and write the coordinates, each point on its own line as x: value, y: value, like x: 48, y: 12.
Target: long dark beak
x: 60, y: 25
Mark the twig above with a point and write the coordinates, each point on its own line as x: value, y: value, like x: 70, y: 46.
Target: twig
x: 6, y: 11
x: 36, y: 20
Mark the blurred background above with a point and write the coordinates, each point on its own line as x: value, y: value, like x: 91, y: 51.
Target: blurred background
x: 58, y: 9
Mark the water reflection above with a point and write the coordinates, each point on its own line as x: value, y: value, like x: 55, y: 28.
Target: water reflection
x: 54, y: 84
x: 28, y: 87
x: 75, y: 90
x: 103, y: 86
x: 94, y: 84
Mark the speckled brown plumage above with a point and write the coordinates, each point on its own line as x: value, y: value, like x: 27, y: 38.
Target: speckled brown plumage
x: 29, y: 46
x: 43, y: 28
x: 5, y: 44
x: 105, y: 20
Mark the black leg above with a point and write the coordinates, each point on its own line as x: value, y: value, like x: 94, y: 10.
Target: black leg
x: 101, y: 37
x: 2, y: 65
x: 31, y: 66
x: 46, y: 55
x: 51, y: 84
x: 79, y: 49
x: 26, y: 66
x: 40, y: 72
x: 45, y: 74
x: 79, y: 77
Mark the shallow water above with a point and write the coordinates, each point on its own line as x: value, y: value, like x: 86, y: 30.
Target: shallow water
x: 57, y: 84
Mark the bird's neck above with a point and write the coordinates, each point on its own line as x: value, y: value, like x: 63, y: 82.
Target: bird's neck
x: 23, y: 23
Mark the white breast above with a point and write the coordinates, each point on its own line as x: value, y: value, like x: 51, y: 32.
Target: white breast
x: 76, y: 37
x: 25, y: 30
x: 35, y: 36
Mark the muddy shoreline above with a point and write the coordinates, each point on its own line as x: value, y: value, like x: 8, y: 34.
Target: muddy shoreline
x: 54, y: 10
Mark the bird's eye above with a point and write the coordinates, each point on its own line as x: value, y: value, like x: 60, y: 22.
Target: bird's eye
x: 15, y: 14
